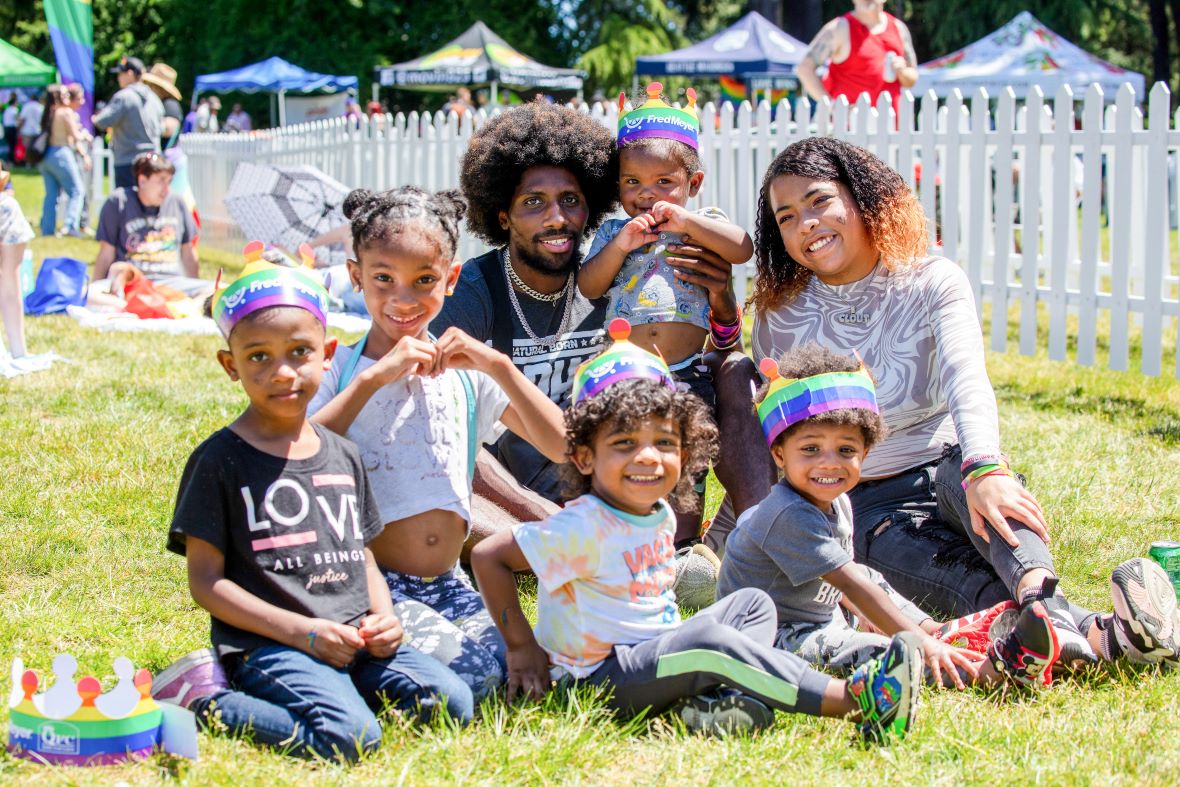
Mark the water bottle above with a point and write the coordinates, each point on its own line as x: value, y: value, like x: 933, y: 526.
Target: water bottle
x: 27, y: 281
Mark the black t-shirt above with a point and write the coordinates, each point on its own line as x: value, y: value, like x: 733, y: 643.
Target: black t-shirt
x: 481, y: 307
x: 172, y: 109
x: 293, y: 531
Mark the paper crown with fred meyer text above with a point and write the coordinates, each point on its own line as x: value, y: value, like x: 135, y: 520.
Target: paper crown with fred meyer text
x: 263, y: 285
x: 76, y: 723
x: 623, y: 361
x: 788, y: 402
x: 656, y: 118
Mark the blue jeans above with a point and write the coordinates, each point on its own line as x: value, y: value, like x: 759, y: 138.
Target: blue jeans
x: 124, y: 176
x: 60, y: 171
x: 297, y: 703
x: 915, y: 529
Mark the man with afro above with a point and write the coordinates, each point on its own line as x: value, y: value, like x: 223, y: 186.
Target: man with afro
x: 537, y: 179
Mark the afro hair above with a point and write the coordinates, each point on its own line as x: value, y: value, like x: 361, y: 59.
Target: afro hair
x: 536, y: 135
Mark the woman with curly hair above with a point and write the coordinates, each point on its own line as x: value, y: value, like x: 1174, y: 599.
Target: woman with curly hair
x: 842, y: 261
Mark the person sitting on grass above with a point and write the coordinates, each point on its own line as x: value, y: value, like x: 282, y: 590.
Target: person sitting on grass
x: 659, y: 172
x: 274, y: 516
x: 418, y: 410
x: 819, y: 414
x: 606, y: 613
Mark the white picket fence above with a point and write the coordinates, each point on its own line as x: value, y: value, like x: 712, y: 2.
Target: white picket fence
x: 1024, y: 192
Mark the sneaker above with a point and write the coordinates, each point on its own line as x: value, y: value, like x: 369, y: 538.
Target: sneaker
x: 886, y: 689
x: 1029, y: 650
x: 697, y: 568
x: 1076, y: 650
x: 197, y: 675
x: 1146, y: 621
x: 724, y: 712
x: 977, y: 630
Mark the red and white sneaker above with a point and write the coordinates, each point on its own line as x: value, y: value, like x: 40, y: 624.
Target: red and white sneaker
x: 1027, y: 654
x: 977, y: 630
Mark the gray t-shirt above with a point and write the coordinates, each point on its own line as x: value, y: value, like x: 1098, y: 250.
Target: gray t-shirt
x: 476, y: 311
x: 136, y: 119
x: 784, y: 547
x: 149, y: 237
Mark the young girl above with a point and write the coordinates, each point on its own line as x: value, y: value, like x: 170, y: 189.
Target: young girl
x: 819, y: 414
x: 606, y: 614
x: 273, y: 516
x: 418, y: 410
x: 659, y: 172
x: 15, y: 234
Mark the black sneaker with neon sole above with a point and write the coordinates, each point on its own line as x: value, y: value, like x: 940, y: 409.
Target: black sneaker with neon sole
x: 724, y: 712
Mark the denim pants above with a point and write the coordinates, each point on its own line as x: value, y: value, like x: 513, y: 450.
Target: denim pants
x: 124, y: 176
x: 915, y: 528
x: 292, y: 701
x: 60, y: 171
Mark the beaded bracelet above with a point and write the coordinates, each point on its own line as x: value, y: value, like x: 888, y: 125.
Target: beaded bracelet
x: 725, y: 336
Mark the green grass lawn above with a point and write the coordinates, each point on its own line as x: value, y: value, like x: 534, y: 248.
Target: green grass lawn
x: 94, y: 449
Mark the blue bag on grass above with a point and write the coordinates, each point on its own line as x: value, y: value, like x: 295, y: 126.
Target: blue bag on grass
x: 61, y: 282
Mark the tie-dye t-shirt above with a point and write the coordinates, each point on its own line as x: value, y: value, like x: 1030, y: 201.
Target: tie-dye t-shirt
x: 605, y: 579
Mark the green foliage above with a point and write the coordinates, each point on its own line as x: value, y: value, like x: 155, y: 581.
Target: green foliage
x: 611, y: 62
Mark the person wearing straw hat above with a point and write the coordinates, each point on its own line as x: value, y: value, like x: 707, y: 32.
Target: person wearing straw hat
x: 161, y: 78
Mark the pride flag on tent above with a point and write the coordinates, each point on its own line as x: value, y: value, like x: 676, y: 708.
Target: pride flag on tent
x: 71, y: 28
x: 735, y: 92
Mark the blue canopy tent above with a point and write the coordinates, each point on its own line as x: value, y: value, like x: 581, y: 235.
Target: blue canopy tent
x: 273, y: 75
x: 751, y: 45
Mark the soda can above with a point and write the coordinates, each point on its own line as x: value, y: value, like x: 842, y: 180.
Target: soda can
x: 1167, y: 554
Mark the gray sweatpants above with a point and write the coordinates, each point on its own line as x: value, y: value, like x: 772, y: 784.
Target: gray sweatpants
x: 730, y: 643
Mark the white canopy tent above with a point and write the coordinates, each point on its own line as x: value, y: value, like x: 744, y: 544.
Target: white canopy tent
x: 1019, y: 55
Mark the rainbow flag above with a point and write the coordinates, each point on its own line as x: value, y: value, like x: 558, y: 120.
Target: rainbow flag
x: 735, y: 92
x: 71, y: 28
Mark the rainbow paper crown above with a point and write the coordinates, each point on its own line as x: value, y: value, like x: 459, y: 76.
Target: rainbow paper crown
x: 263, y: 285
x: 788, y: 402
x: 657, y: 118
x: 623, y: 361
x: 76, y: 724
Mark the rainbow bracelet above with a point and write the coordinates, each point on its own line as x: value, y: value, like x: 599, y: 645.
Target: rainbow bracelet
x: 984, y: 471
x: 725, y: 336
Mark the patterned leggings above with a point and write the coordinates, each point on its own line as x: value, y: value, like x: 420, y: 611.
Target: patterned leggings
x: 444, y: 617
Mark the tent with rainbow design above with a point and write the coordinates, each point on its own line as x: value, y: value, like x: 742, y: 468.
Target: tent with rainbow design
x: 477, y: 58
x: 1019, y: 55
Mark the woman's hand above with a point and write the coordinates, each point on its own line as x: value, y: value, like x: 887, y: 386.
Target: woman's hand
x: 698, y: 265
x: 382, y: 633
x: 995, y: 499
x: 528, y: 672
x: 943, y: 658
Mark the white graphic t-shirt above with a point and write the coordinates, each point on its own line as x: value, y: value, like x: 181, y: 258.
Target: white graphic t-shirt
x: 412, y: 436
x: 605, y: 579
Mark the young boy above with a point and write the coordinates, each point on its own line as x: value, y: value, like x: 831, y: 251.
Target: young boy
x: 629, y: 260
x: 273, y: 516
x: 819, y: 414
x: 606, y: 614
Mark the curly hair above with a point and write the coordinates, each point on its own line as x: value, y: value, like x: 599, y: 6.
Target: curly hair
x: 378, y: 217
x: 536, y: 135
x: 892, y: 216
x: 812, y: 359
x: 625, y: 405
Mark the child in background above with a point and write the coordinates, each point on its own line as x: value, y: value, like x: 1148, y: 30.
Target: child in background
x: 274, y: 515
x: 606, y: 614
x: 659, y: 172
x: 418, y: 410
x: 819, y: 414
x: 15, y: 234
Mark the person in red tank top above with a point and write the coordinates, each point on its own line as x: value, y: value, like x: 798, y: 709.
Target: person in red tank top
x: 865, y: 51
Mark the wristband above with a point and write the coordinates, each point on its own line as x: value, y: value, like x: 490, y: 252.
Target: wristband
x: 725, y: 336
x: 970, y: 468
x: 995, y: 459
x: 986, y: 471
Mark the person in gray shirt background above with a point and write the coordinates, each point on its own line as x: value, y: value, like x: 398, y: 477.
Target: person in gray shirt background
x: 135, y: 118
